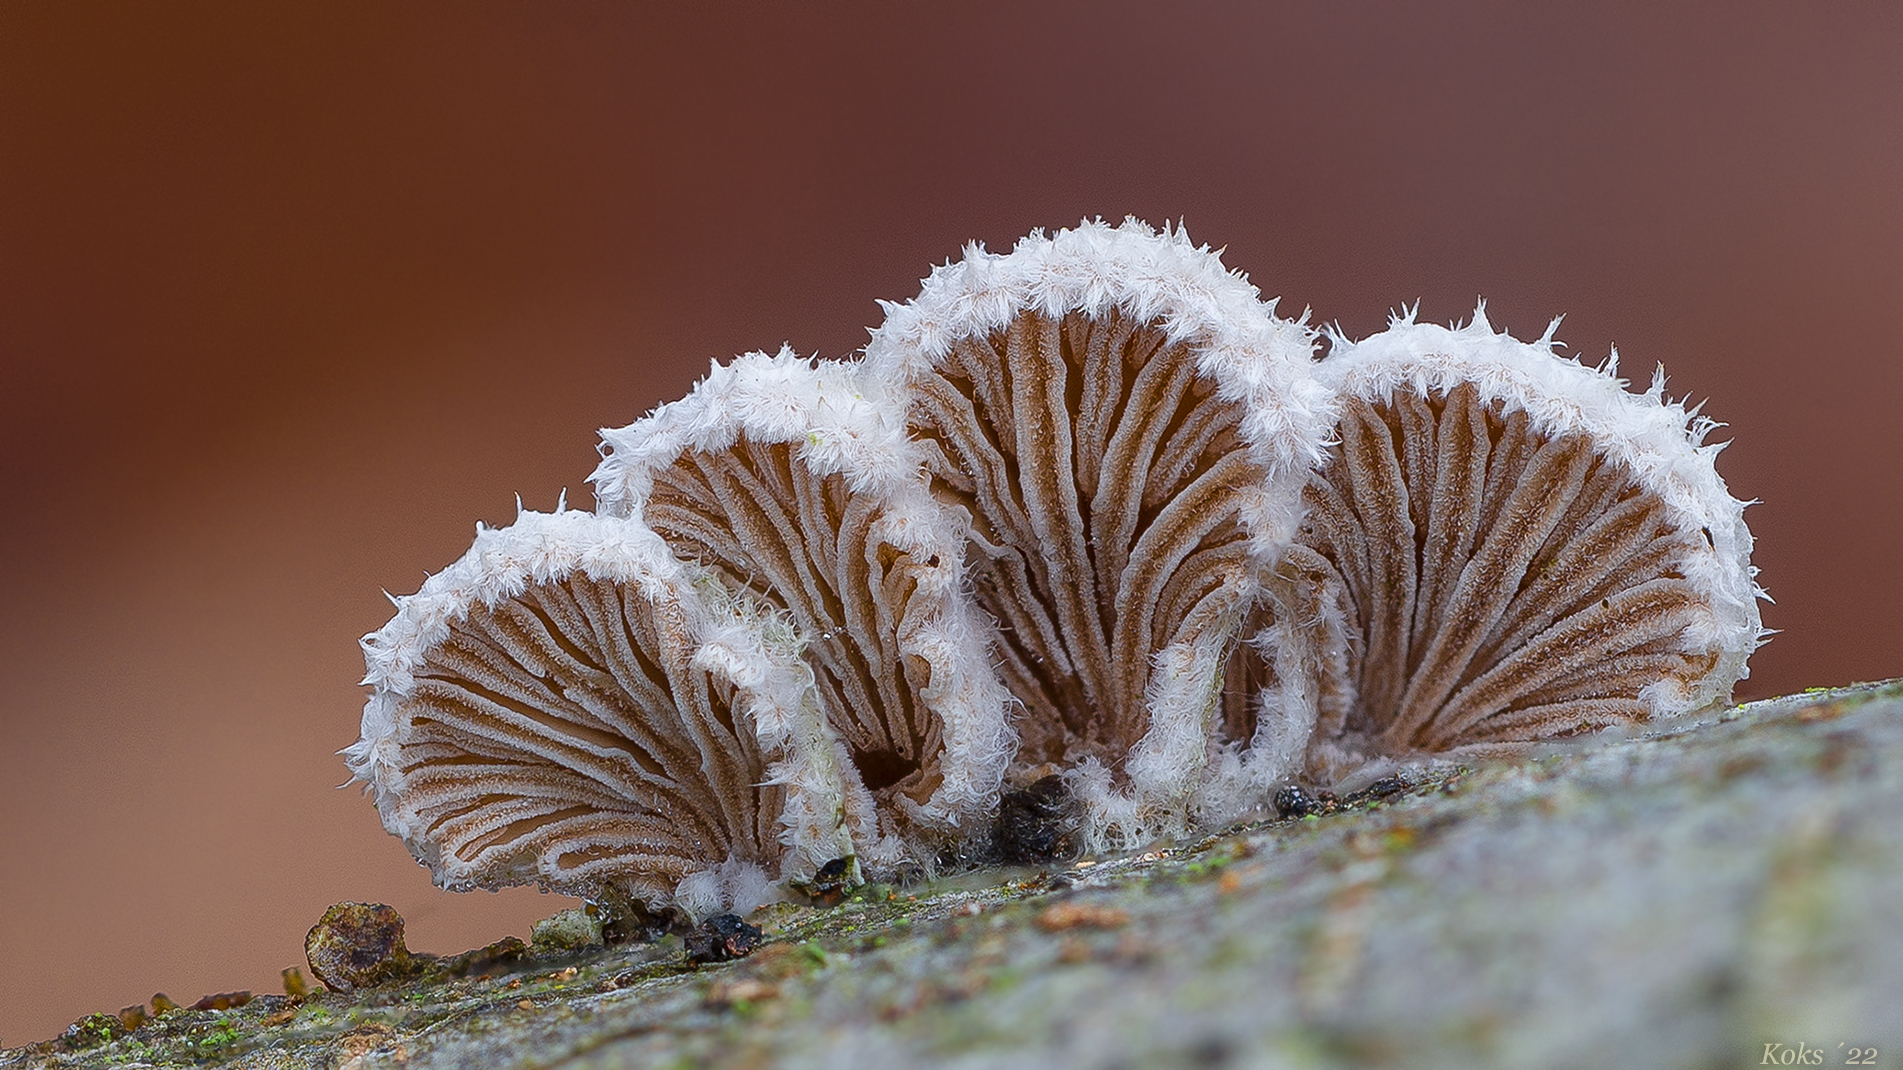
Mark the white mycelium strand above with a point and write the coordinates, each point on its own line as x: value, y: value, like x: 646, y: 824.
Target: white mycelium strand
x: 1088, y: 507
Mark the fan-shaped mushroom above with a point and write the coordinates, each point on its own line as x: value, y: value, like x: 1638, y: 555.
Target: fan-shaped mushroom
x: 545, y: 710
x: 1092, y: 495
x: 804, y: 498
x: 1127, y: 428
x: 1506, y: 546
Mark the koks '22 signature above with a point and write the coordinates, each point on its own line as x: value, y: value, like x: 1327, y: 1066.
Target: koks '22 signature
x: 1777, y: 1054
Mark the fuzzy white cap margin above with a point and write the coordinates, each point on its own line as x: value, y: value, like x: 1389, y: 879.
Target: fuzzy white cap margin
x: 547, y: 548
x: 1652, y: 436
x: 839, y: 428
x: 1253, y: 356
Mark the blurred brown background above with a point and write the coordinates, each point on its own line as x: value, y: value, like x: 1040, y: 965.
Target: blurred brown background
x: 289, y: 299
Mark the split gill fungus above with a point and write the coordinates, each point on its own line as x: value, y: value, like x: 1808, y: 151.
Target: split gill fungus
x: 1088, y: 515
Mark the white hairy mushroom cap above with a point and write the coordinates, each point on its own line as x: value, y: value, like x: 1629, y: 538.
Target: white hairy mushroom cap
x: 1088, y: 507
x: 538, y: 714
x: 1516, y: 547
x: 1129, y: 427
x: 802, y: 493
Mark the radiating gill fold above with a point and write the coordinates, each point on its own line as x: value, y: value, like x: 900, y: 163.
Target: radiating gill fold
x: 1519, y: 548
x: 806, y: 547
x: 1109, y: 530
x: 1087, y: 508
x: 1126, y: 427
x: 541, y: 712
x: 606, y: 757
x: 805, y: 500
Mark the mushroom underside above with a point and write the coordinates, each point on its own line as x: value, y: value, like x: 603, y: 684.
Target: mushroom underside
x: 1039, y: 569
x: 803, y: 546
x: 1102, y: 476
x: 1494, y: 585
x: 563, y: 736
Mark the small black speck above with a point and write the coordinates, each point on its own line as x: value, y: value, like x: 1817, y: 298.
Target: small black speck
x: 722, y: 938
x: 1037, y: 824
x: 1211, y: 1051
x: 1386, y: 786
x: 1292, y: 801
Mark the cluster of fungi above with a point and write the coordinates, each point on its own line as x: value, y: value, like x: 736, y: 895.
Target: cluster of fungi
x: 1086, y: 524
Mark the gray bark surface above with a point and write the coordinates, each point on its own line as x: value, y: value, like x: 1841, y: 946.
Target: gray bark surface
x: 1708, y: 895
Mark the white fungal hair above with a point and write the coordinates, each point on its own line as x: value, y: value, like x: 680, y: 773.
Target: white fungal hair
x: 1090, y: 508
